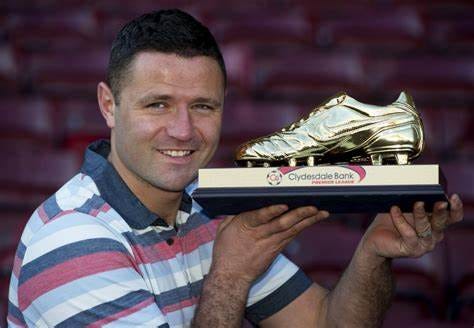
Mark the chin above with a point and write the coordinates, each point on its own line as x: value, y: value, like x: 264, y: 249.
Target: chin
x: 174, y: 186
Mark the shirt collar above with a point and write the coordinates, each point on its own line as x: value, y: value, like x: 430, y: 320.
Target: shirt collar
x: 115, y: 192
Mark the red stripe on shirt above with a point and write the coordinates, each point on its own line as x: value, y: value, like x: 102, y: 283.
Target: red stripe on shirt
x: 68, y: 271
x: 15, y: 321
x: 62, y: 213
x: 42, y: 214
x: 16, y: 266
x: 161, y: 251
x: 181, y: 305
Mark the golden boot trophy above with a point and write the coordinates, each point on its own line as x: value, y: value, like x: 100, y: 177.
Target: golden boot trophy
x: 291, y: 166
x: 342, y: 130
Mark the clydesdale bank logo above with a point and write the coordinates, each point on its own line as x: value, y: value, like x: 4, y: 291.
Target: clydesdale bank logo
x: 331, y: 175
x: 274, y: 177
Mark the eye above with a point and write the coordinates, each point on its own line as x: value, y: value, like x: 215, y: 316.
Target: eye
x: 203, y: 107
x: 157, y: 105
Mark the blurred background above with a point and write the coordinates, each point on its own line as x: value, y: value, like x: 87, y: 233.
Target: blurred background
x: 283, y: 58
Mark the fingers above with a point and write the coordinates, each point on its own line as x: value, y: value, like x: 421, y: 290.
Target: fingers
x: 440, y: 217
x: 406, y: 231
x: 289, y: 222
x: 422, y: 221
x: 263, y: 215
x: 287, y: 235
x: 456, y: 212
x: 225, y: 222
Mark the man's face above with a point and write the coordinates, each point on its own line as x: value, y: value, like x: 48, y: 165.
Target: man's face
x: 168, y: 123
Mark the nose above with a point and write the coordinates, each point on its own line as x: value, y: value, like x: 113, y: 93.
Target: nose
x: 181, y: 126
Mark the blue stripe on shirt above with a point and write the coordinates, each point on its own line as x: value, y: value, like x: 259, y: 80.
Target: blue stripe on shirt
x: 280, y: 298
x: 68, y: 252
x: 105, y: 310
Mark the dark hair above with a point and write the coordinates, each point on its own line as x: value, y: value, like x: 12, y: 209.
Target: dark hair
x: 168, y: 31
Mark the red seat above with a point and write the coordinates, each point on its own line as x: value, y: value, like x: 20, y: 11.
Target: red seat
x: 387, y: 27
x: 81, y: 123
x: 446, y: 129
x: 10, y: 79
x: 456, y: 33
x: 431, y: 72
x: 60, y: 29
x: 55, y: 75
x: 461, y: 270
x: 239, y: 64
x: 4, y: 286
x: 423, y: 279
x: 31, y: 175
x: 302, y: 75
x: 324, y: 250
x: 112, y: 17
x: 27, y: 119
x: 245, y: 120
x: 262, y: 27
x: 11, y: 227
x: 460, y: 177
x: 406, y: 312
x: 432, y: 80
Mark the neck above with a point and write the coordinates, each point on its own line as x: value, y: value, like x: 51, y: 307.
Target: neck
x: 161, y: 202
x: 164, y: 203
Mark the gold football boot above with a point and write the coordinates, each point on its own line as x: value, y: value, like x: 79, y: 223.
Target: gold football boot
x: 342, y: 130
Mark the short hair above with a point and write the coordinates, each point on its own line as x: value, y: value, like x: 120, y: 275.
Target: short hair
x: 168, y: 31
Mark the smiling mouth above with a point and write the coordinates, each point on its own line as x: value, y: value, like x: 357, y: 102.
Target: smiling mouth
x: 176, y: 153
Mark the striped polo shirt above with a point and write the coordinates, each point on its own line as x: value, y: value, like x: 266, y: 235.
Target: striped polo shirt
x: 93, y: 255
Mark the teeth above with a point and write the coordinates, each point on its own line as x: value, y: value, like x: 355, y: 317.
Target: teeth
x: 176, y: 153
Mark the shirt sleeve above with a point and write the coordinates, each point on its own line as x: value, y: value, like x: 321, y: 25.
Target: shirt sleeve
x: 282, y: 283
x: 77, y: 272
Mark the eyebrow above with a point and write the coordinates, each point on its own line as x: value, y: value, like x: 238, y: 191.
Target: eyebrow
x: 150, y: 98
x: 147, y: 99
x: 211, y: 101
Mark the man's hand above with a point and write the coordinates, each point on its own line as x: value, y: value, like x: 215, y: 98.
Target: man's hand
x: 396, y: 235
x: 247, y: 244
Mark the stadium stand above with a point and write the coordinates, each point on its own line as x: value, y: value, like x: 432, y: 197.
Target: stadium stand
x: 283, y: 58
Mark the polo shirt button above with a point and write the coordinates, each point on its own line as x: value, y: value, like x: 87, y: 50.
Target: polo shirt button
x: 170, y: 241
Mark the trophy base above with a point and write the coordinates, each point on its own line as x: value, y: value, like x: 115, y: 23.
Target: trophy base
x: 343, y: 199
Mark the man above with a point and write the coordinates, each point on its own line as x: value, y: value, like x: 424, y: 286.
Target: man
x: 122, y: 243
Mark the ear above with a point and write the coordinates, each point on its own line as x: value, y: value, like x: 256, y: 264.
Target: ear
x: 106, y: 103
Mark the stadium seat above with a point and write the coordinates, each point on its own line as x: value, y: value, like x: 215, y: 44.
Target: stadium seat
x: 55, y: 29
x: 10, y: 79
x: 309, y: 77
x: 406, y: 312
x: 11, y: 227
x: 31, y: 175
x: 447, y: 130
x: 27, y: 120
x: 324, y: 250
x: 385, y: 27
x: 460, y: 177
x: 249, y: 119
x: 81, y: 123
x: 262, y: 27
x: 68, y: 75
x: 433, y: 80
x: 239, y: 64
x: 423, y: 280
x: 461, y: 266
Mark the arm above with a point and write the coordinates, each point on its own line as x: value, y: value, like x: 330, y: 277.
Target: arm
x: 244, y: 248
x: 364, y: 292
x: 78, y: 272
